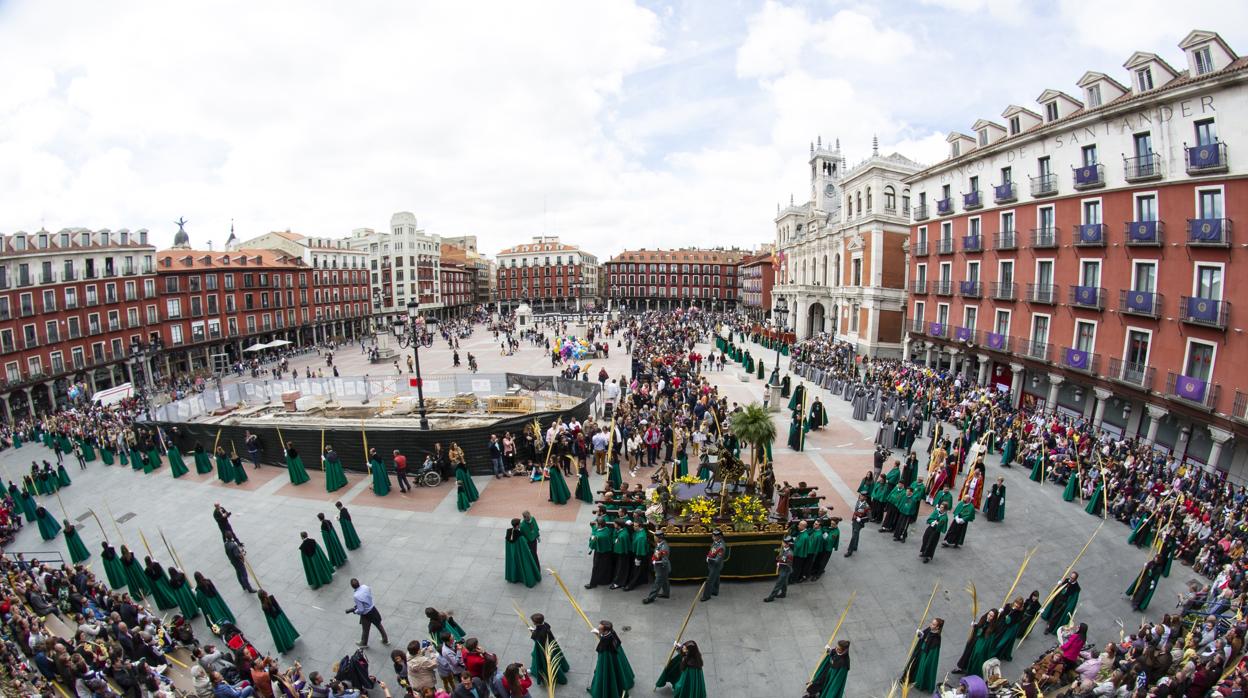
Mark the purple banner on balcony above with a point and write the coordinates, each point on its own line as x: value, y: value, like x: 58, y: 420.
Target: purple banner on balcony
x: 1004, y: 191
x: 944, y: 206
x: 1202, y: 309
x: 1077, y: 359
x: 1190, y: 388
x: 970, y: 242
x: 1089, y: 174
x: 962, y: 334
x: 1207, y: 229
x: 1204, y: 156
x: 936, y: 329
x: 970, y: 200
x: 1087, y: 295
x: 1140, y: 301
x: 996, y: 341
x: 966, y: 288
x: 1142, y: 231
x: 1090, y: 233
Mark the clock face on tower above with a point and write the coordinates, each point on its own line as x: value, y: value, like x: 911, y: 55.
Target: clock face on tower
x: 829, y: 191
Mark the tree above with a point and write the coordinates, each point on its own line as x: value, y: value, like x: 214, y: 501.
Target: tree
x: 753, y: 426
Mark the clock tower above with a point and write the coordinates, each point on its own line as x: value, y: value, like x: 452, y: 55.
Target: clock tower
x: 825, y: 177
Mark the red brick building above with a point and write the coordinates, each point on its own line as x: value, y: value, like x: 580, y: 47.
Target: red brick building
x: 549, y: 275
x: 1080, y: 255
x: 755, y: 277
x: 458, y: 277
x: 662, y: 279
x: 71, y: 304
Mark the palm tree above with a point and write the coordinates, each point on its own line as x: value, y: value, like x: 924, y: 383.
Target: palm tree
x: 753, y: 426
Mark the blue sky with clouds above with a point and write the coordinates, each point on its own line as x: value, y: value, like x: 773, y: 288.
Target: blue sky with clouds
x: 613, y: 124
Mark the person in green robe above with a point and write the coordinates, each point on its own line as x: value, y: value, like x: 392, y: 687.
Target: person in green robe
x: 136, y: 581
x: 519, y: 567
x: 333, y: 545
x: 108, y: 456
x: 613, y: 675
x: 29, y: 508
x: 294, y: 465
x: 1012, y: 619
x: 153, y: 458
x: 544, y: 638
x: 236, y: 466
x: 785, y: 386
x: 316, y: 568
x: 349, y: 536
x: 832, y: 672
x: 614, y: 479
x: 532, y: 533
x: 584, y: 490
x: 1142, y: 533
x: 762, y: 370
x: 1061, y: 607
x: 797, y: 428
x: 381, y: 478
x: 465, y: 479
x: 88, y: 450
x: 182, y: 593
x: 113, y: 569
x: 682, y: 463
x: 176, y: 465
x: 798, y: 397
x: 1144, y: 584
x: 994, y: 503
x: 818, y: 418
x: 641, y: 548
x: 203, y: 464
x: 62, y: 478
x: 159, y: 584
x: 925, y: 659
x: 77, y: 551
x: 978, y: 648
x: 335, y: 476
x: 1072, y: 485
x: 225, y: 471
x: 1169, y: 543
x: 937, y: 524
x: 48, y: 527
x: 462, y: 502
x: 1095, y: 506
x: 216, y: 610
x: 136, y: 459
x: 963, y: 515
x: 284, y: 634
x: 17, y: 439
x: 1009, y: 449
x: 558, y: 487
x: 691, y: 683
x: 1037, y: 466
x: 440, y: 623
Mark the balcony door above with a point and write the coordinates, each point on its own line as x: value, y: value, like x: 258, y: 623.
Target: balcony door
x: 1209, y: 282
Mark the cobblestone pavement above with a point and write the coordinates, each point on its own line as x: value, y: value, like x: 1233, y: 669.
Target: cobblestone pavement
x: 419, y: 551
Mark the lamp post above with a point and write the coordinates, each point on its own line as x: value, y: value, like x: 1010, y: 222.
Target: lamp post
x: 780, y: 315
x: 413, y: 312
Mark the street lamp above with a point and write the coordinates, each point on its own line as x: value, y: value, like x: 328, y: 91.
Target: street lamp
x: 413, y: 313
x: 780, y: 312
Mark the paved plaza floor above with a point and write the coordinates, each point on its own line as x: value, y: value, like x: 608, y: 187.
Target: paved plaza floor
x: 419, y: 551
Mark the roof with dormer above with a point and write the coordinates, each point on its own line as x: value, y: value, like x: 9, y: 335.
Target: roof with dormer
x: 1093, y: 76
x: 1050, y: 95
x: 1139, y: 58
x: 187, y: 260
x: 1199, y: 36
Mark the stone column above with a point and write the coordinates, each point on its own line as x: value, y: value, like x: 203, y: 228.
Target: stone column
x: 30, y: 402
x: 1055, y: 383
x: 1220, y: 437
x: 1185, y: 440
x: 1155, y: 413
x: 927, y: 358
x: 51, y: 386
x: 1016, y: 384
x: 953, y: 359
x: 1099, y: 415
x: 984, y: 362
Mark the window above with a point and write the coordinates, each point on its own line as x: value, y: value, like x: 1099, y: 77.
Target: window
x: 946, y: 272
x: 957, y: 148
x: 171, y: 284
x: 173, y: 308
x: 1046, y: 218
x: 1007, y: 222
x: 1044, y: 167
x: 920, y: 310
x: 1204, y: 60
x: 49, y: 301
x: 1206, y: 133
x: 857, y: 272
x: 1199, y: 360
x: 1144, y: 277
x: 1143, y: 144
x: 1089, y: 155
x: 1040, y: 329
x: 1085, y: 335
x: 1002, y: 324
x: 1136, y: 355
x: 1092, y: 212
x: 1144, y: 79
x: 1005, y: 272
x: 1208, y: 282
x: 1209, y: 203
x: 1146, y: 207
x: 972, y: 272
x: 1094, y: 96
x: 983, y: 137
x: 1090, y: 273
x: 971, y: 314
x: 1015, y: 126
x: 1007, y: 175
x: 1050, y: 111
x: 1044, y: 273
x: 175, y: 334
x: 921, y: 274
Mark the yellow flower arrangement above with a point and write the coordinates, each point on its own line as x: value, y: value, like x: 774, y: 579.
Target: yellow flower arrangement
x: 748, y: 511
x: 699, y: 510
x: 690, y: 480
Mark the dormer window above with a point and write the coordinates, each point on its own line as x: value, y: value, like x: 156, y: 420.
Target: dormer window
x: 1015, y: 126
x: 1144, y: 79
x: 983, y: 138
x: 1094, y: 96
x: 1050, y: 111
x: 1203, y: 59
x: 955, y: 149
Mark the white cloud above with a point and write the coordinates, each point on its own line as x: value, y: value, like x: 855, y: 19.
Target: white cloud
x: 777, y: 36
x: 852, y: 36
x: 1121, y: 27
x: 1011, y: 11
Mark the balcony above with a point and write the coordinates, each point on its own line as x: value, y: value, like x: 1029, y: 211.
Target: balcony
x: 1044, y: 238
x: 972, y: 243
x: 1142, y: 303
x: 1033, y: 349
x: 1004, y: 193
x: 1137, y: 375
x: 917, y: 326
x: 1004, y: 291
x: 944, y: 207
x: 1191, y: 390
x: 1041, y: 293
x: 920, y: 249
x: 1209, y: 232
x: 966, y: 335
x: 944, y: 246
x: 1090, y: 235
x: 997, y: 342
x: 1206, y: 159
x: 1142, y: 168
x: 970, y: 289
x: 920, y: 212
x: 1089, y: 177
x: 1087, y: 297
x: 1145, y: 233
x: 1044, y: 185
x: 943, y: 288
x: 919, y: 287
x: 972, y: 200
x: 1079, y: 360
x: 1205, y: 312
x: 1005, y: 240
x: 938, y: 329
